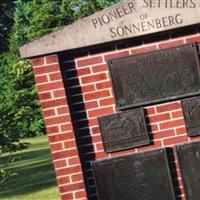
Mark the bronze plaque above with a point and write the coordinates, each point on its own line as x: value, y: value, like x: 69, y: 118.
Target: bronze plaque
x: 191, y: 111
x: 124, y: 130
x: 157, y: 76
x: 141, y: 176
x: 189, y: 161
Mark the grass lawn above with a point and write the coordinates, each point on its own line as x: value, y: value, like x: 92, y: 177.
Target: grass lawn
x: 36, y: 178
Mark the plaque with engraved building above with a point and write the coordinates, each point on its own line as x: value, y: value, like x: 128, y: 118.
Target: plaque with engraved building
x: 157, y: 76
x: 189, y: 161
x: 124, y: 130
x: 191, y: 111
x: 138, y: 176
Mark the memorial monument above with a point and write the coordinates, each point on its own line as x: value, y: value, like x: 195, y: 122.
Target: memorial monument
x: 119, y: 91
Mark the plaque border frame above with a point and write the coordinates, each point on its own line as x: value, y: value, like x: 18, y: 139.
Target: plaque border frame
x: 187, y: 128
x: 166, y: 159
x: 148, y: 141
x: 162, y: 100
x: 178, y: 146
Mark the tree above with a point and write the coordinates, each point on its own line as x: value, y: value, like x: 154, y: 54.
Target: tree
x: 20, y: 111
x: 6, y: 23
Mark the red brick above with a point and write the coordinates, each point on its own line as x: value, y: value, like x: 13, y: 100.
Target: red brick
x: 52, y: 59
x: 81, y: 194
x: 97, y: 95
x: 177, y: 114
x: 53, y: 129
x: 70, y: 144
x: 66, y: 127
x: 95, y: 130
x: 63, y: 180
x: 55, y: 77
x: 63, y: 110
x: 53, y: 103
x: 93, y: 78
x: 100, y: 155
x: 116, y: 55
x: 60, y: 163
x: 57, y: 120
x: 153, y: 127
x: 49, y: 113
x: 77, y: 177
x: 120, y: 153
x: 170, y: 44
x: 90, y: 105
x: 100, y: 68
x: 45, y: 96
x: 37, y: 61
x: 156, y: 144
x: 103, y: 85
x: 163, y: 134
x: 99, y: 147
x: 105, y: 102
x: 60, y: 137
x: 175, y: 140
x: 168, y: 107
x: 68, y: 196
x: 151, y: 111
x: 72, y: 187
x: 50, y: 86
x: 100, y: 112
x: 59, y: 93
x: 74, y: 161
x: 56, y: 147
x: 180, y: 131
x: 64, y: 154
x: 92, y: 122
x: 143, y: 49
x: 159, y: 118
x: 41, y: 79
x: 46, y: 69
x: 172, y: 124
x: 82, y: 72
x: 68, y: 170
x: 193, y: 39
x: 96, y: 138
x: 89, y: 61
x: 87, y: 88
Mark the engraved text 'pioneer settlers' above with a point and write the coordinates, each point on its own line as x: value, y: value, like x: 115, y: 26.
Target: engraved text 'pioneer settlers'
x: 127, y: 19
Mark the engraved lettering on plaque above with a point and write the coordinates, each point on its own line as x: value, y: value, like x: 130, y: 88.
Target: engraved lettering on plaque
x: 142, y: 176
x: 189, y: 161
x: 191, y: 110
x: 124, y: 130
x: 157, y: 76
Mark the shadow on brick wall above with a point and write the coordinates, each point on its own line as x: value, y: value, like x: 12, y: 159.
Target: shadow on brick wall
x: 79, y: 117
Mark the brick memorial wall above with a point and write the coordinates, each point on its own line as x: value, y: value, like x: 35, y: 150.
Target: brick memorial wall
x: 88, y: 91
x: 74, y: 85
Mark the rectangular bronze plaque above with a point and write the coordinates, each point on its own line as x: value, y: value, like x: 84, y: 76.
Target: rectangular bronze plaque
x: 189, y: 161
x: 138, y: 176
x: 124, y: 130
x: 191, y: 111
x: 157, y: 76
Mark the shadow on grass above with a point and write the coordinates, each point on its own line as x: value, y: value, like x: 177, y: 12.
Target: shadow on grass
x: 34, y: 173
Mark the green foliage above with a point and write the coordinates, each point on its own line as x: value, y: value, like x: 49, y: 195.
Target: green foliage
x: 20, y: 111
x: 35, y: 179
x: 6, y: 23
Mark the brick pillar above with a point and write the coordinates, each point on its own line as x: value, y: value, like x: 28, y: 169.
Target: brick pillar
x: 59, y: 127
